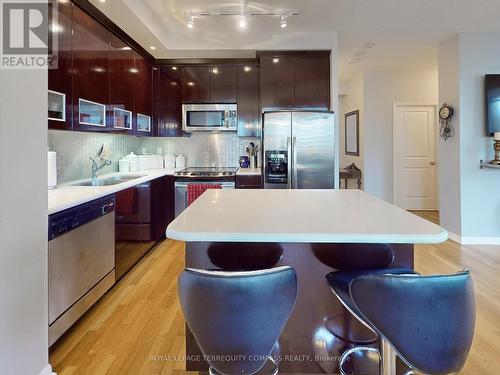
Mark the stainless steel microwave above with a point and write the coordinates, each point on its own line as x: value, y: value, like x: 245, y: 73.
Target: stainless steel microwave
x: 209, y: 117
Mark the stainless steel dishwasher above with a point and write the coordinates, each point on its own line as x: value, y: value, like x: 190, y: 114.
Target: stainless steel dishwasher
x: 81, y: 261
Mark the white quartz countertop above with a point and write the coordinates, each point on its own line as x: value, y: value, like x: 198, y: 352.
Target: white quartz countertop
x: 67, y: 196
x: 323, y: 216
x: 249, y: 172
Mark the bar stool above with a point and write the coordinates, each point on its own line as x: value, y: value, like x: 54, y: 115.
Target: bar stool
x: 230, y: 256
x: 361, y: 359
x: 237, y: 317
x: 427, y: 320
x: 352, y: 257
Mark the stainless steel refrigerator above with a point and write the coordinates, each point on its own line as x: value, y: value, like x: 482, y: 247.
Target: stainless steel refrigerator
x: 299, y: 150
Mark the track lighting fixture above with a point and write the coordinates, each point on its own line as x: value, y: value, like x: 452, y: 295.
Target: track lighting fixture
x: 243, y: 16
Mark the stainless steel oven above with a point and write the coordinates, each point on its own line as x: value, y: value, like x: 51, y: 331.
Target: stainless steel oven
x: 209, y: 117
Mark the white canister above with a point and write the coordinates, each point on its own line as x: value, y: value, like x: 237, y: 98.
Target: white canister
x: 180, y: 162
x: 133, y: 164
x: 124, y: 165
x: 170, y: 161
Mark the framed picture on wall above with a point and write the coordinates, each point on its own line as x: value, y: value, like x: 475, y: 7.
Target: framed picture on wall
x: 352, y: 133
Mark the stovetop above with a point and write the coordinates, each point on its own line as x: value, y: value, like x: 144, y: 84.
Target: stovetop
x: 207, y: 172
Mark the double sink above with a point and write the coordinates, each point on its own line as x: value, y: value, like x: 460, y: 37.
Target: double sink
x: 107, y: 181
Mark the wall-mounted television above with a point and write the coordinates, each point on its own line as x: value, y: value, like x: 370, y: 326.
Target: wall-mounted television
x: 492, y: 86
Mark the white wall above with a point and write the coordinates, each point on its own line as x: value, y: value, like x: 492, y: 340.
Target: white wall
x: 23, y: 222
x: 449, y: 150
x: 351, y: 100
x: 380, y: 91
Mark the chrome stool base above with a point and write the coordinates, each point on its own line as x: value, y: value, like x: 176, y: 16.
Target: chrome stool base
x: 360, y: 360
x: 270, y: 359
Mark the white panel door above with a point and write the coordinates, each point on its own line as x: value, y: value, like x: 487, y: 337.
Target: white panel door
x: 415, y: 157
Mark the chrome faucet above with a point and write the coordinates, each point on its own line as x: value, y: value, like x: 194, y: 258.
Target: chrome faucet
x: 96, y: 168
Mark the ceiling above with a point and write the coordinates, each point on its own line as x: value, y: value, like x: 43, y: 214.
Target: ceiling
x: 405, y: 32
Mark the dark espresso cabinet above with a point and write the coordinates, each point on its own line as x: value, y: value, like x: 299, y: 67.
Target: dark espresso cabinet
x: 248, y: 181
x: 277, y: 82
x: 90, y: 46
x: 168, y: 101
x: 195, y: 84
x: 143, y: 96
x: 142, y: 215
x: 301, y: 80
x: 121, y: 87
x: 312, y: 82
x: 248, y: 101
x: 60, y: 80
x: 223, y: 84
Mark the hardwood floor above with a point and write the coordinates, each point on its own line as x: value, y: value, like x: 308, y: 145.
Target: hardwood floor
x: 137, y: 328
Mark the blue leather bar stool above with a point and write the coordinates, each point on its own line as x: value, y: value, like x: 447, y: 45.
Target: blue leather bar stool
x: 237, y: 317
x: 428, y: 320
x: 352, y: 257
x: 230, y: 256
x: 359, y: 359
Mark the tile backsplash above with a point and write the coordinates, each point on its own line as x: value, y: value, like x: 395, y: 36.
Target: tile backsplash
x: 74, y: 148
x: 201, y: 150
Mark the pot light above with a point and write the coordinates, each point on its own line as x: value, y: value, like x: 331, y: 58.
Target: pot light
x: 126, y: 48
x: 283, y: 22
x: 102, y: 1
x: 174, y: 68
x: 215, y: 71
x: 242, y: 23
x: 190, y: 22
x: 152, y: 48
x: 276, y: 60
x: 247, y: 68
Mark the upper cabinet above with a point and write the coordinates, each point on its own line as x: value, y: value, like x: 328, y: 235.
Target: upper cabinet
x: 248, y: 101
x: 223, y: 84
x: 276, y: 82
x: 143, y: 96
x: 60, y: 79
x: 122, y: 75
x: 168, y: 101
x: 312, y: 82
x: 300, y: 80
x: 91, y: 78
x: 195, y: 84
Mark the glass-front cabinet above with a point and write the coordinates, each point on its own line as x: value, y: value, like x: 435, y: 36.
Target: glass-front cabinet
x: 56, y: 106
x: 91, y: 113
x: 143, y: 123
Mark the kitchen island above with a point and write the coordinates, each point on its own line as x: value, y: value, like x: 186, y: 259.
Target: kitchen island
x: 304, y: 223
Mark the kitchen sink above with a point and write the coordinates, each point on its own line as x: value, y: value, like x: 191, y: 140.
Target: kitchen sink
x: 106, y: 181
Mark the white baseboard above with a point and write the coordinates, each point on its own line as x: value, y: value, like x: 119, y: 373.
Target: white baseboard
x: 47, y: 370
x: 470, y: 240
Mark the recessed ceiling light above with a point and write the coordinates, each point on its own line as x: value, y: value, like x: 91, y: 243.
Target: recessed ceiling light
x: 283, y: 22
x: 152, y: 47
x: 174, y: 68
x: 126, y: 48
x: 247, y: 68
x: 215, y: 71
x: 133, y: 70
x: 102, y: 1
x: 242, y: 23
x: 190, y: 83
x: 276, y: 60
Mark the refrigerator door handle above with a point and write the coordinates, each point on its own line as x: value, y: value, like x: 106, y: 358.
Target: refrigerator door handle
x: 289, y: 162
x: 294, y: 166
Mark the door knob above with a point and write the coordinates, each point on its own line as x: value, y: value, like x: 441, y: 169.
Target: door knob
x: 432, y: 163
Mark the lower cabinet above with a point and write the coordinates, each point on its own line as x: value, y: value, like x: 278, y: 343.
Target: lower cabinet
x: 142, y: 215
x: 248, y: 182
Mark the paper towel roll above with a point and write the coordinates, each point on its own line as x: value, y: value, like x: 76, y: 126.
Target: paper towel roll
x: 52, y: 169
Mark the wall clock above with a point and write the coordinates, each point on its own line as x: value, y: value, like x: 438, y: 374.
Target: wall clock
x: 446, y: 128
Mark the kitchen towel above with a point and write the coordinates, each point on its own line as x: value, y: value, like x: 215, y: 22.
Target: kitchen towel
x: 195, y: 190
x: 52, y: 169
